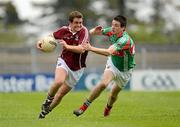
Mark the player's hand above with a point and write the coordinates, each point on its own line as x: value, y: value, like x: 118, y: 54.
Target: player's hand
x: 39, y: 45
x: 86, y: 46
x: 96, y: 30
x: 63, y: 44
x: 112, y: 50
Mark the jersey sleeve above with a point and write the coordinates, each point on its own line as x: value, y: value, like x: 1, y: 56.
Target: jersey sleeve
x: 59, y: 33
x: 84, y: 36
x: 107, y: 31
x: 122, y: 43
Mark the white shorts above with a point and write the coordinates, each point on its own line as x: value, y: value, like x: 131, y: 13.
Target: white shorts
x: 72, y: 76
x: 120, y: 78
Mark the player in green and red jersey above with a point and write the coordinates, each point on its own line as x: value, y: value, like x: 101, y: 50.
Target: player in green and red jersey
x: 120, y: 63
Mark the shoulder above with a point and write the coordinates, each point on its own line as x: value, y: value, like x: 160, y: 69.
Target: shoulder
x: 60, y: 31
x: 63, y: 28
x: 124, y: 38
x: 128, y: 37
x: 84, y: 29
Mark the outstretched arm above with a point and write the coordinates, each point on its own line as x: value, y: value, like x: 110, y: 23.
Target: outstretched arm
x: 101, y: 51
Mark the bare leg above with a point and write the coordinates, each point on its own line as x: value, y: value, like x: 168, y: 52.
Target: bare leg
x: 60, y: 76
x: 63, y: 90
x: 112, y: 98
x: 107, y: 77
x: 113, y: 95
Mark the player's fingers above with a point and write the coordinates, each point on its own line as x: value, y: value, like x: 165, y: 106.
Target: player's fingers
x: 83, y: 45
x: 39, y: 45
x: 61, y: 41
x: 98, y: 28
x: 86, y: 46
x: 111, y: 49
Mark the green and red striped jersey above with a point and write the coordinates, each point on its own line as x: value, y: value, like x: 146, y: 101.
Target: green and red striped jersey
x: 124, y: 57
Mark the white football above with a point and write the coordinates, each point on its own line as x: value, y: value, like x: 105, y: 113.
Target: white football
x: 48, y: 44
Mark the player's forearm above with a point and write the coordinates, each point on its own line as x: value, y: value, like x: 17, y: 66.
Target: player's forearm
x: 75, y: 49
x: 100, y: 51
x: 92, y: 31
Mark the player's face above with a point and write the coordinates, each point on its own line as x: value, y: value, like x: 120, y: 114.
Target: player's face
x: 116, y: 27
x: 76, y: 24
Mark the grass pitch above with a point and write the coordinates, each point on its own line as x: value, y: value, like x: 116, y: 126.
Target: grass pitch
x: 132, y: 109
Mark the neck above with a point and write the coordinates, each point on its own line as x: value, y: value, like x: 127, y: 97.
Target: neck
x: 119, y: 34
x: 70, y: 28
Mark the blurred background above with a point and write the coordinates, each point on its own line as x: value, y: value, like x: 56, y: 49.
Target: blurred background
x: 153, y: 24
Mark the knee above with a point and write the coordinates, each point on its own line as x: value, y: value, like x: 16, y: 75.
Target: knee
x: 103, y: 85
x: 58, y: 83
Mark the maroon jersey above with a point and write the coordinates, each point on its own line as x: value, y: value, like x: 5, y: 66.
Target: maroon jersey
x: 75, y: 61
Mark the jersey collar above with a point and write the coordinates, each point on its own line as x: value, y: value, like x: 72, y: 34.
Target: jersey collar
x: 120, y: 34
x: 69, y: 28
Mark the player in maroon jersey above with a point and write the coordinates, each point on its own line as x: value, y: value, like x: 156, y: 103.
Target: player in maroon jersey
x: 71, y: 62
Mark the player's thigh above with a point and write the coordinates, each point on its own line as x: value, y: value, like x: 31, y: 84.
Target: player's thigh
x: 60, y: 75
x: 107, y: 77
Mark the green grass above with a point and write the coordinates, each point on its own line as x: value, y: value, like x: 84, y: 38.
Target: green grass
x: 132, y: 109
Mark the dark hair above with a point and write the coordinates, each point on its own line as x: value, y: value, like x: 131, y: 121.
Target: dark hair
x: 121, y: 19
x: 75, y: 14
